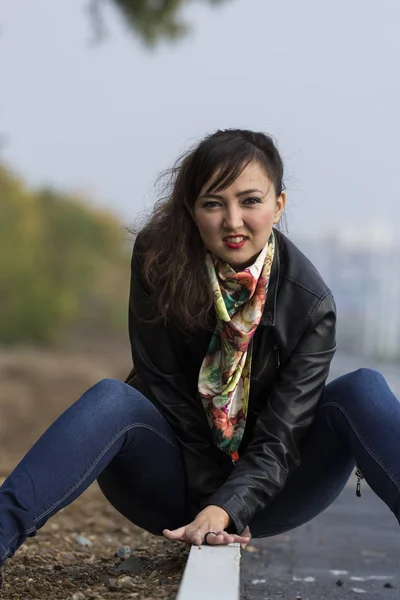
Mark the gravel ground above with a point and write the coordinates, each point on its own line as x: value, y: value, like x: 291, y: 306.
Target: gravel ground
x: 73, y: 557
x: 57, y: 563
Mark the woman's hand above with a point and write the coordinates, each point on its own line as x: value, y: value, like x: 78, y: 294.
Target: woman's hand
x: 212, y: 518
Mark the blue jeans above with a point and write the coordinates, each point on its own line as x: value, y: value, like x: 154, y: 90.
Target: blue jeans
x: 115, y: 435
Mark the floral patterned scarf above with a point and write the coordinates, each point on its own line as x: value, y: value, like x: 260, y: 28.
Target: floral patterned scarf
x: 224, y: 378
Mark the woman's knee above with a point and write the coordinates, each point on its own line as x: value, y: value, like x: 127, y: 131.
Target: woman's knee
x: 109, y: 388
x: 112, y: 399
x: 355, y: 388
x: 115, y: 402
x: 364, y: 379
x: 110, y: 392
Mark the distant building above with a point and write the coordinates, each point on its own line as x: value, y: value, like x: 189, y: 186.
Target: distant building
x: 361, y: 267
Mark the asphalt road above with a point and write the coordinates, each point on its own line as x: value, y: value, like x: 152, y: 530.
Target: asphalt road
x: 352, y: 550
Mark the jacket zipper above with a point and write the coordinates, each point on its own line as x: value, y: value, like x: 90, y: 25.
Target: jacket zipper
x: 359, y: 476
x: 278, y: 358
x: 275, y: 350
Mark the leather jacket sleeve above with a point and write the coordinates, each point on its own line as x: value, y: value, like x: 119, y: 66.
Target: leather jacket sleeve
x: 273, y: 452
x: 161, y: 378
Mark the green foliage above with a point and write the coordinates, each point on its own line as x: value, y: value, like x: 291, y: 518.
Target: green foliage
x: 61, y: 263
x: 151, y: 20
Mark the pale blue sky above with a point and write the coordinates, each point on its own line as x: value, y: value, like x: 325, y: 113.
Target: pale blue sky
x: 323, y: 77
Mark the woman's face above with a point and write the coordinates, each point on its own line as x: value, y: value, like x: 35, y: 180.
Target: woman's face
x: 235, y: 223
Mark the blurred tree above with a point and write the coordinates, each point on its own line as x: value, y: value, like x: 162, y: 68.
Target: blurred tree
x: 62, y: 263
x: 151, y: 20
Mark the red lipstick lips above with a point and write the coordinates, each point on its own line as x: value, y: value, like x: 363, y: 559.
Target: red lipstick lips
x: 235, y: 241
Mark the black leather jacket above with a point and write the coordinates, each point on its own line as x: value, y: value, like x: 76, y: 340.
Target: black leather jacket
x: 293, y: 347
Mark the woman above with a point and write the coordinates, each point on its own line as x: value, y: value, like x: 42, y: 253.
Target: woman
x: 225, y: 426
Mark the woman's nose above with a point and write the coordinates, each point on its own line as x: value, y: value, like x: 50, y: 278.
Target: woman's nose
x: 233, y: 218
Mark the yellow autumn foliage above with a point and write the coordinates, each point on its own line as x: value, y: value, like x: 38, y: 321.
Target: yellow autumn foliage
x: 63, y: 265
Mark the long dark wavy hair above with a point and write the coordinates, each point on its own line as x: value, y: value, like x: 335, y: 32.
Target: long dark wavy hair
x: 173, y: 251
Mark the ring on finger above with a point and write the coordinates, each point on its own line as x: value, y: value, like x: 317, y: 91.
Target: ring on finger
x: 206, y: 535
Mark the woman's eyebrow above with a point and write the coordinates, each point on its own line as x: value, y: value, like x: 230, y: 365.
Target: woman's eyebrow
x: 238, y: 194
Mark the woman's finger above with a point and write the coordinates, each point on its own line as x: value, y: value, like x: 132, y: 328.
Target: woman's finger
x: 175, y: 534
x: 221, y: 538
x: 195, y: 537
x: 241, y: 539
x: 224, y: 538
x: 246, y: 532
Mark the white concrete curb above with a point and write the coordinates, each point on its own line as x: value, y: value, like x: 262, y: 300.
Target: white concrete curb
x: 211, y: 573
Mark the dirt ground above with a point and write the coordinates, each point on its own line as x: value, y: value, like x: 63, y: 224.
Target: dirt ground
x: 35, y: 387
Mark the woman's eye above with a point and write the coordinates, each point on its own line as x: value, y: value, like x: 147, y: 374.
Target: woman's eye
x: 211, y: 204
x: 251, y: 200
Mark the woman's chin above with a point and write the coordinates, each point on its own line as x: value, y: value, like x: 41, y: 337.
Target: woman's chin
x: 235, y: 258
x: 235, y: 262
x: 240, y: 266
x: 239, y: 263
